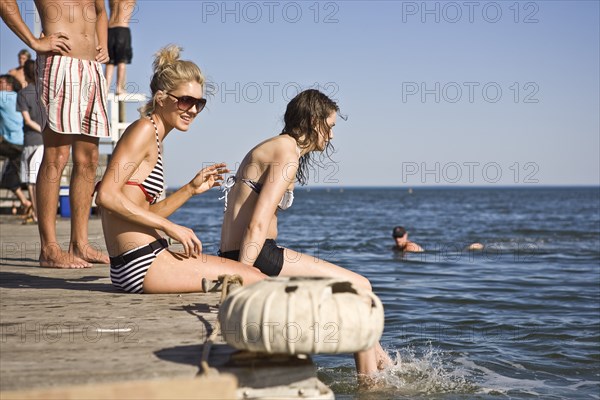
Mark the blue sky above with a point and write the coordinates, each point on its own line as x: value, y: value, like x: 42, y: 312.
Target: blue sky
x: 436, y: 93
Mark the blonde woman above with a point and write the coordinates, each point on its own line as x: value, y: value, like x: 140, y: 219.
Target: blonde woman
x: 132, y: 216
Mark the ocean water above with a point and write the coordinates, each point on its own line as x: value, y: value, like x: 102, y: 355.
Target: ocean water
x: 518, y: 320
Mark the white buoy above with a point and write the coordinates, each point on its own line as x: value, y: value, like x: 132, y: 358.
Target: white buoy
x: 301, y: 315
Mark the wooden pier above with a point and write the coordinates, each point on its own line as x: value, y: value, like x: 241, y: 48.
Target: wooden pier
x: 71, y: 334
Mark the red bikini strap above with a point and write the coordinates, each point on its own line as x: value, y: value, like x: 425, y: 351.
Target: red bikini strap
x: 149, y: 198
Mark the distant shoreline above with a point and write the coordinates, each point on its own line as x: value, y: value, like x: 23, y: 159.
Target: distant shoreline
x: 438, y: 187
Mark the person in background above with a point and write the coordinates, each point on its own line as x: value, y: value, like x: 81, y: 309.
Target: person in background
x: 18, y: 73
x: 70, y: 54
x: 119, y: 41
x: 11, y: 138
x: 33, y: 150
x: 400, y: 236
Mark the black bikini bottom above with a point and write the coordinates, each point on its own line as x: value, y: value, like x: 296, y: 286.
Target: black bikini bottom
x: 269, y: 261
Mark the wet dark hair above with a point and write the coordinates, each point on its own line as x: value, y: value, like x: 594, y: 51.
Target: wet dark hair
x: 11, y: 80
x: 29, y: 71
x: 398, y: 231
x: 308, y: 109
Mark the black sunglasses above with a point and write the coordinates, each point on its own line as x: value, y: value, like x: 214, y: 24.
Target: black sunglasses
x: 185, y: 103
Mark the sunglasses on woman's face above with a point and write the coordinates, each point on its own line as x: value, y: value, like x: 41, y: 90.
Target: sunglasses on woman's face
x: 185, y: 103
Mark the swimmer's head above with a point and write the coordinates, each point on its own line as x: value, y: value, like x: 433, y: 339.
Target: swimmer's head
x: 400, y: 236
x: 398, y: 232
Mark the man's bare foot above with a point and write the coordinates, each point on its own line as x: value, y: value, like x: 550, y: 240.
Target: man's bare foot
x: 89, y: 253
x: 55, y: 257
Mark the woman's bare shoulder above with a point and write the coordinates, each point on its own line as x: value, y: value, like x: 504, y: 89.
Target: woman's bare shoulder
x: 273, y: 147
x: 142, y: 129
x: 280, y: 147
x: 139, y: 136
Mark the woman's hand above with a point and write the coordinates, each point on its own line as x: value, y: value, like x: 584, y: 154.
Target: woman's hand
x: 207, y: 178
x: 188, y: 239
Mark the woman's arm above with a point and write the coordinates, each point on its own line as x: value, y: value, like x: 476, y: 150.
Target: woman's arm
x: 279, y: 175
x: 204, y: 180
x: 133, y: 147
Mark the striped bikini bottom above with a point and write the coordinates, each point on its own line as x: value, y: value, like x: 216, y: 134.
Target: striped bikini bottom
x: 128, y: 270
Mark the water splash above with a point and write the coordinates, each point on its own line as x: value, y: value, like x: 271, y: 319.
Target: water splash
x: 426, y: 372
x: 416, y: 372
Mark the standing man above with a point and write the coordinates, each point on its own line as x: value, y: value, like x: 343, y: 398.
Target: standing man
x: 72, y: 89
x: 119, y: 41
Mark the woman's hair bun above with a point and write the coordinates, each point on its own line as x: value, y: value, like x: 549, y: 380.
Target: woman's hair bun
x: 166, y: 56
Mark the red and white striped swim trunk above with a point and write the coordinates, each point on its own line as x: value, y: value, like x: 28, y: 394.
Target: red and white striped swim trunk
x: 73, y: 92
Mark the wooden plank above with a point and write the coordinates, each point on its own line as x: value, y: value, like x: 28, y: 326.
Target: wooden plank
x: 218, y: 387
x: 71, y: 331
x: 72, y: 327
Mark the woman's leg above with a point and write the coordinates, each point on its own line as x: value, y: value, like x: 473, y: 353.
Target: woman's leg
x: 174, y: 273
x: 297, y: 264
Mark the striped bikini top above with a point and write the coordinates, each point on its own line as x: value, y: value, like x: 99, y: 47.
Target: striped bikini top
x: 154, y: 184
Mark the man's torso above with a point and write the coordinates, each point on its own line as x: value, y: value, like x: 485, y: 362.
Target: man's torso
x: 75, y: 18
x: 121, y: 12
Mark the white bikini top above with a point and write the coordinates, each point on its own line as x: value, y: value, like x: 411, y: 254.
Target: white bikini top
x: 286, y: 200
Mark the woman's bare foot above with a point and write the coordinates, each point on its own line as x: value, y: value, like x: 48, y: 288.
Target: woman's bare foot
x: 365, y: 382
x: 383, y: 359
x: 370, y: 382
x: 55, y: 257
x: 89, y: 253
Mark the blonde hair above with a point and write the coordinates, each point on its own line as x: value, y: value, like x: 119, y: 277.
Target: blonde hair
x: 170, y: 72
x: 26, y: 53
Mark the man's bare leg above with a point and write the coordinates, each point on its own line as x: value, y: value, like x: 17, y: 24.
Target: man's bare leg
x: 121, y: 71
x: 83, y: 176
x: 33, y: 197
x: 110, y: 70
x: 25, y: 204
x: 56, y: 156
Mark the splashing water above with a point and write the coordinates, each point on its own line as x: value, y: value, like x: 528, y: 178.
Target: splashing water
x: 425, y: 372
x: 431, y: 372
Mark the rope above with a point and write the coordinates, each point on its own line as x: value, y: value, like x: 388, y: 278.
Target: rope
x: 228, y: 283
